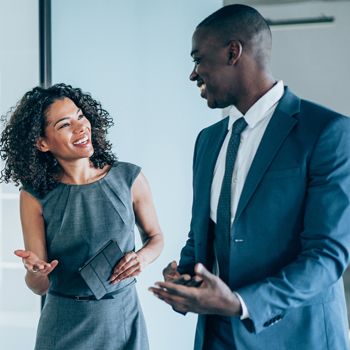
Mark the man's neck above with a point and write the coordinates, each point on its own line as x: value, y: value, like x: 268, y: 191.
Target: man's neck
x: 254, y: 90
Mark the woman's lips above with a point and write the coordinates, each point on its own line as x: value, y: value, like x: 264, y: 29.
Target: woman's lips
x: 82, y: 142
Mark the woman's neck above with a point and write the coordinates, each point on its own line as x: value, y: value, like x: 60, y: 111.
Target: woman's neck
x: 80, y: 172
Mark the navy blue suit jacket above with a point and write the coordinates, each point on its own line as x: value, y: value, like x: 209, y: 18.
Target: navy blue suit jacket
x: 290, y: 239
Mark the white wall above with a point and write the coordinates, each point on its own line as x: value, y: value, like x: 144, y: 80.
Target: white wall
x: 134, y: 57
x: 19, y: 72
x: 313, y: 60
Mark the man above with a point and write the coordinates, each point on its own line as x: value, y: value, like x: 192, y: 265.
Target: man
x: 271, y: 205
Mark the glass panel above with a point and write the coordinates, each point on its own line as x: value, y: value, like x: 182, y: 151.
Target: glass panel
x: 19, y: 309
x: 19, y: 72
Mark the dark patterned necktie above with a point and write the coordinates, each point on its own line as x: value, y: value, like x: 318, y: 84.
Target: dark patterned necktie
x: 223, y: 216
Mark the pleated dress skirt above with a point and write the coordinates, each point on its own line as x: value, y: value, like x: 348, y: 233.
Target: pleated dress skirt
x: 107, y: 324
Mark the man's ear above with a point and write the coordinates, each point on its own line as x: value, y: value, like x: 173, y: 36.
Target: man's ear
x: 42, y: 145
x: 235, y: 49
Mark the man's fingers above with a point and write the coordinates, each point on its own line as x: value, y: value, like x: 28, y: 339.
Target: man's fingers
x: 195, y: 281
x: 171, y: 267
x: 170, y: 272
x: 183, y: 279
x: 171, y: 299
x: 175, y: 289
x: 203, y: 273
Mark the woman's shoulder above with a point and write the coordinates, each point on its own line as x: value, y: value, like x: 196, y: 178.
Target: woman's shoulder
x: 125, y: 171
x: 41, y: 198
x: 31, y: 191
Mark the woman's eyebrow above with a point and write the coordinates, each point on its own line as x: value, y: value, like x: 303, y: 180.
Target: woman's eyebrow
x: 59, y: 120
x: 64, y: 118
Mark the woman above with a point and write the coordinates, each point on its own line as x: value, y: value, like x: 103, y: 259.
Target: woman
x: 75, y: 198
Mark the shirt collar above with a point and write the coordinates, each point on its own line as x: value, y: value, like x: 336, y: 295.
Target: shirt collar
x: 259, y: 110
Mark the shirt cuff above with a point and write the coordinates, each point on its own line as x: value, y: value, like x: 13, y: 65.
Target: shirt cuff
x: 245, y: 312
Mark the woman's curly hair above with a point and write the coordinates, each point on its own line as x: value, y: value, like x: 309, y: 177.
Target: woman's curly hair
x: 26, y: 122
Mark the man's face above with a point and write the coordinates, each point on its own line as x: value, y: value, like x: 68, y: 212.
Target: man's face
x: 212, y: 72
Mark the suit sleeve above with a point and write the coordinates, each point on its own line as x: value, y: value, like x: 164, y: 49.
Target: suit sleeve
x: 187, y: 256
x: 325, y: 239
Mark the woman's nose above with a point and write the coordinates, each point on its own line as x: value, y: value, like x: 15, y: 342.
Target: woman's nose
x: 79, y: 127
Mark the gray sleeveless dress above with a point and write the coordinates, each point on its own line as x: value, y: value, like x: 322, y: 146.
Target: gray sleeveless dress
x: 79, y: 220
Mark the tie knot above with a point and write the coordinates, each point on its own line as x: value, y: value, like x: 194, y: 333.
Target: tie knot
x: 238, y: 126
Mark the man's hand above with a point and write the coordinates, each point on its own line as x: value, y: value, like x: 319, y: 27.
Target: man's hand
x: 212, y: 297
x: 170, y: 273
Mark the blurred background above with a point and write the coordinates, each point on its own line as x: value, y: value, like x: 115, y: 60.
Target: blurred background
x: 133, y: 56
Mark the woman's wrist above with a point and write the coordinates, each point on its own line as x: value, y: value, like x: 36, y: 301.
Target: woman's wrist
x: 143, y: 258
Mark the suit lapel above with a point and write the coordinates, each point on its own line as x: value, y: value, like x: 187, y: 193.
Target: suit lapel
x: 208, y: 155
x: 280, y: 125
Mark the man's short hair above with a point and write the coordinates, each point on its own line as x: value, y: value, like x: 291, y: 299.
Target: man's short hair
x: 243, y: 23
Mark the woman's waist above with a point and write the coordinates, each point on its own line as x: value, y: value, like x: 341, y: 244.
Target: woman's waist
x: 76, y: 286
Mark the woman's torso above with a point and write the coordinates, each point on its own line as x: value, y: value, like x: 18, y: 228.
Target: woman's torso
x: 80, y: 219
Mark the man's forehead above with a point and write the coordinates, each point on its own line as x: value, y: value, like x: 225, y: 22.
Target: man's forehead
x: 202, y: 38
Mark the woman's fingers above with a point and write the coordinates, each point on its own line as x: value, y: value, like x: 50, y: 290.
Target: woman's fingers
x: 33, y: 264
x: 22, y: 253
x: 125, y: 262
x: 131, y: 271
x: 38, y: 266
x: 129, y: 266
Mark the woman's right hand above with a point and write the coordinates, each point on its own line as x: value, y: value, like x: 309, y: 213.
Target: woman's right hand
x: 34, y: 265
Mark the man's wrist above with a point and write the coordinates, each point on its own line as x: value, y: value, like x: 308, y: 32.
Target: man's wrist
x: 244, y: 310
x: 233, y: 307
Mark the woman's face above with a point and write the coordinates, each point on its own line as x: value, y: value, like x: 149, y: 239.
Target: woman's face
x: 68, y: 132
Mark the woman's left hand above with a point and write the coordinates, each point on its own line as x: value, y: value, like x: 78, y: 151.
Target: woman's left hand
x: 129, y: 266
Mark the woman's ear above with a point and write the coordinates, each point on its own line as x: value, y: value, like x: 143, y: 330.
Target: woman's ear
x: 235, y: 49
x: 42, y: 145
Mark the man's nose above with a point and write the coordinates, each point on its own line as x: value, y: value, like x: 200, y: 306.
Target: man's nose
x: 194, y: 75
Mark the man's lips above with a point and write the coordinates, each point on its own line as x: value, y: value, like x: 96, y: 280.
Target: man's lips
x: 202, y: 89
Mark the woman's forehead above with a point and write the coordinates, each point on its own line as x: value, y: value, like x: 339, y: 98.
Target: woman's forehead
x: 61, y: 108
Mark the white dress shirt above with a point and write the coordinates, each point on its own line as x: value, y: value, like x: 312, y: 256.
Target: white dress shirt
x: 257, y: 117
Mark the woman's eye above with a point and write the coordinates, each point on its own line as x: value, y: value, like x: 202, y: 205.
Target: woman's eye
x: 81, y: 116
x: 63, y: 126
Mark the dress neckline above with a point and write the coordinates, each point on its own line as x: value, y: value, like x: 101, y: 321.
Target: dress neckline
x: 103, y: 178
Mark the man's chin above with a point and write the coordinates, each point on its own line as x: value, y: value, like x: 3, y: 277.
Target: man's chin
x: 217, y: 104
x: 212, y: 104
